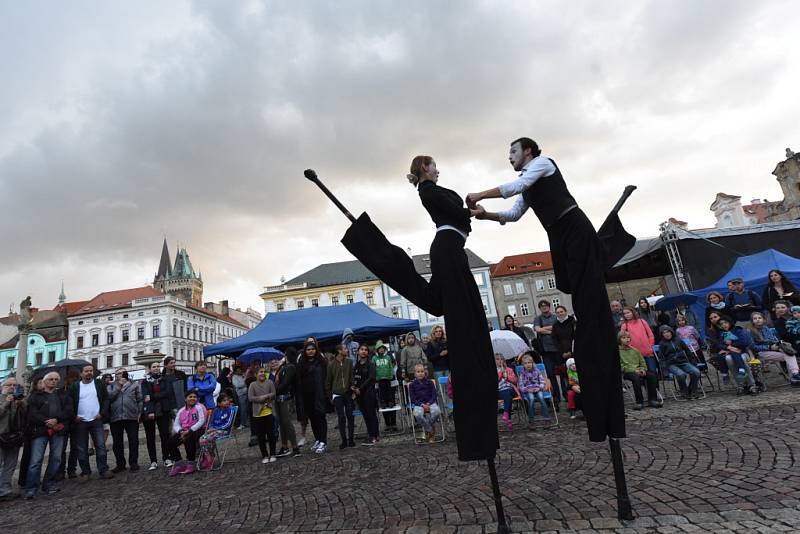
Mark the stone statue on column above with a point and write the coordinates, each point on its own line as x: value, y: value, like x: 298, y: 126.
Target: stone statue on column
x: 25, y: 315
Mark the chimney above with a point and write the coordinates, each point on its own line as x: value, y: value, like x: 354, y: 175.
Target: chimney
x: 224, y: 307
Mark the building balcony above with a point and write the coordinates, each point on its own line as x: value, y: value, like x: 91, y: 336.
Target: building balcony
x: 284, y: 287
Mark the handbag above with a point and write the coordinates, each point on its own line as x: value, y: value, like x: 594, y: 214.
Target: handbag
x: 15, y: 437
x: 55, y: 430
x: 788, y: 348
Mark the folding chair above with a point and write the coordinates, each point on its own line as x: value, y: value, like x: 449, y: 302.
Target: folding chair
x: 220, y: 446
x: 668, y: 376
x: 548, y: 394
x: 397, y: 409
x: 447, y: 402
x: 418, y: 440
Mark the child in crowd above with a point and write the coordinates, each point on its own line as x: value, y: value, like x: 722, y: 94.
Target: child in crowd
x: 261, y: 394
x: 506, y: 387
x: 574, y: 391
x: 767, y: 345
x: 793, y: 324
x: 634, y: 368
x: 675, y: 355
x: 186, y: 431
x: 689, y: 335
x: 735, y: 342
x: 384, y: 374
x: 782, y: 315
x: 219, y: 425
x: 422, y: 394
x: 532, y: 386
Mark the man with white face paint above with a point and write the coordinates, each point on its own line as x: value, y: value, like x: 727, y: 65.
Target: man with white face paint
x: 580, y: 258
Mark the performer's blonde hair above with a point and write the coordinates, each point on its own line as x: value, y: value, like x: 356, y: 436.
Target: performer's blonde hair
x: 416, y: 168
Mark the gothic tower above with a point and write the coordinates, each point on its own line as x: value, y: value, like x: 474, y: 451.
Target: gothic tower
x: 179, y: 279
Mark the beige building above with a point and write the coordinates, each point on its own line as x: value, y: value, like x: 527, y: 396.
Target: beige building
x: 519, y: 282
x: 330, y: 284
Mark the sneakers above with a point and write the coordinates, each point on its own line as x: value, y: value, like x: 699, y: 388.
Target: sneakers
x: 189, y: 469
x: 315, y: 445
x: 369, y: 442
x: 176, y: 470
x: 726, y: 379
x: 119, y: 469
x: 265, y: 460
x: 321, y: 448
x: 283, y: 452
x: 52, y: 490
x: 301, y: 442
x: 273, y: 459
x: 153, y: 466
x: 741, y: 372
x: 507, y: 420
x: 656, y: 404
x: 296, y: 452
x: 168, y: 463
x: 572, y: 414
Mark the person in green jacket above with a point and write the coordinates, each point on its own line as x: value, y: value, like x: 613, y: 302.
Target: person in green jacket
x: 339, y: 382
x: 634, y: 369
x: 385, y: 373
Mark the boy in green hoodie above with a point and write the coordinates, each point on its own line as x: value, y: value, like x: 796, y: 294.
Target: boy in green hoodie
x: 339, y: 383
x: 634, y: 369
x: 385, y: 374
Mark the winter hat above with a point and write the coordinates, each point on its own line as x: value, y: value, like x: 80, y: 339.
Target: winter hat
x: 795, y: 309
x: 347, y: 332
x: 664, y: 328
x: 570, y: 362
x: 379, y: 345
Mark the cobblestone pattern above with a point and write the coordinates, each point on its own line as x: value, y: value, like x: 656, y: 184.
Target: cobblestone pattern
x: 724, y: 464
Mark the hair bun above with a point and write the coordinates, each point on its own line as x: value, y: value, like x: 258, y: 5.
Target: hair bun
x: 412, y: 179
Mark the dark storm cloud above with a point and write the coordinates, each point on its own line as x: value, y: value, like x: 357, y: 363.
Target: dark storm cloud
x: 196, y: 119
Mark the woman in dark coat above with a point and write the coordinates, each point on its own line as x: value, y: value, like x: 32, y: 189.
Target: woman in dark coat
x: 779, y: 287
x: 312, y: 372
x: 508, y: 324
x: 564, y: 338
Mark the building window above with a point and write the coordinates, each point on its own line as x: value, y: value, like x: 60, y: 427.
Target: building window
x: 539, y: 284
x: 95, y: 363
x: 95, y: 320
x: 10, y: 362
x: 126, y: 335
x: 478, y: 278
x: 38, y: 358
x: 485, y: 301
x: 315, y: 303
x: 140, y: 353
x: 556, y: 301
x: 156, y: 331
x: 140, y: 332
x: 125, y: 359
x: 181, y: 353
x: 334, y: 300
x: 109, y: 361
x: 181, y: 330
x: 512, y: 310
x: 110, y: 317
x: 395, y: 311
x: 551, y: 283
x: 523, y: 309
x: 520, y: 288
x: 279, y: 306
x: 125, y: 316
x: 413, y: 312
x: 95, y: 339
x: 79, y: 342
x: 370, y: 298
x: 109, y: 338
x: 301, y: 304
x: 140, y: 314
x: 507, y: 290
x: 349, y: 298
x: 175, y: 352
x: 174, y: 330
x: 80, y: 322
x: 51, y: 356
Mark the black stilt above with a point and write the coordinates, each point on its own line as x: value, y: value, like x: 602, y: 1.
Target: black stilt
x: 502, y: 526
x: 624, y: 510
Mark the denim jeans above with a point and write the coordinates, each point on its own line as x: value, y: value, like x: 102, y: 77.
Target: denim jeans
x: 83, y: 430
x: 34, y: 476
x: 507, y: 396
x: 530, y: 400
x: 244, y: 413
x: 680, y: 370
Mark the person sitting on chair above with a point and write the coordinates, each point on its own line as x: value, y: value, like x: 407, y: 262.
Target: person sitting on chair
x: 675, y: 355
x: 767, y: 345
x: 422, y: 393
x: 634, y: 368
x: 532, y: 387
x: 188, y: 422
x: 574, y: 392
x: 218, y: 426
x: 506, y: 387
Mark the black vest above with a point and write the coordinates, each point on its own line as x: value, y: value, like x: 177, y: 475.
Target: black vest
x: 549, y: 197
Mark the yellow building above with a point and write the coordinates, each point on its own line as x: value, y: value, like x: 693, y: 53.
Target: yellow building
x: 330, y: 284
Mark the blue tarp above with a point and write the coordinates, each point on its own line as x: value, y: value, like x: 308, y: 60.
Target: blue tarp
x: 282, y: 329
x: 753, y: 269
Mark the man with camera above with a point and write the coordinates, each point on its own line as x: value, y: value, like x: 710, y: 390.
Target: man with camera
x: 12, y: 417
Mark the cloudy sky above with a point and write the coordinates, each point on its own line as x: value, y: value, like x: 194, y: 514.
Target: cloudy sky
x: 123, y: 122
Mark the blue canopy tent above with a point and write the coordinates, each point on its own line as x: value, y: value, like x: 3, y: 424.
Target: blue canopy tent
x: 326, y: 324
x: 753, y: 270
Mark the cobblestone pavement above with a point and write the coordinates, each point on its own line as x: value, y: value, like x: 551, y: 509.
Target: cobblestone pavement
x: 723, y: 464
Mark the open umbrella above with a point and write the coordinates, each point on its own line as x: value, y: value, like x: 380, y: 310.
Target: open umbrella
x: 507, y: 343
x: 671, y: 301
x: 261, y: 354
x: 62, y: 367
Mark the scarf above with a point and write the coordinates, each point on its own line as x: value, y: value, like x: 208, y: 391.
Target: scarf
x: 718, y: 306
x: 562, y: 320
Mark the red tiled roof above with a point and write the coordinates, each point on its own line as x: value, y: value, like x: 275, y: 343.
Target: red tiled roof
x: 71, y: 307
x: 114, y: 300
x: 523, y: 263
x: 221, y: 317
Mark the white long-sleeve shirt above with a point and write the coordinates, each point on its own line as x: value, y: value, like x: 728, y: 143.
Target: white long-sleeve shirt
x: 536, y: 168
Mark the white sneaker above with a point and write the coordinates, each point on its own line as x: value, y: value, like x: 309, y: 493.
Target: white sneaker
x: 273, y: 459
x: 301, y: 442
x: 265, y: 460
x: 320, y: 449
x: 153, y: 466
x: 315, y: 446
x: 168, y: 463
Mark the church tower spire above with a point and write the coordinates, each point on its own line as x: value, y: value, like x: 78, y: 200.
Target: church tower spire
x: 165, y: 265
x: 62, y: 298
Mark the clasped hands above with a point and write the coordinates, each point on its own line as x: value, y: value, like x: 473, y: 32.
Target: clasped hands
x: 476, y: 210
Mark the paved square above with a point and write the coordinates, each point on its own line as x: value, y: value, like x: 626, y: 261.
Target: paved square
x: 723, y: 464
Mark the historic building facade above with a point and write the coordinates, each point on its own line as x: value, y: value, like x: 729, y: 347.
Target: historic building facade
x: 179, y: 279
x: 519, y: 282
x: 47, y: 341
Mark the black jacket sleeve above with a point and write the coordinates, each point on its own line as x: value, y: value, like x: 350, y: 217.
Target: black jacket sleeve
x: 440, y: 204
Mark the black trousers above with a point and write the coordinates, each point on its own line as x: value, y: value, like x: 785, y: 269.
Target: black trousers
x: 189, y: 443
x: 319, y: 425
x: 650, y: 379
x: 551, y: 360
x: 162, y: 423
x: 580, y: 265
x: 368, y: 406
x: 453, y: 293
x: 344, y: 411
x: 118, y: 431
x: 387, y: 399
x: 265, y: 431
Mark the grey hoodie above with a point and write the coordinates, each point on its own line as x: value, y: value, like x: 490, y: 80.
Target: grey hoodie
x: 126, y: 401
